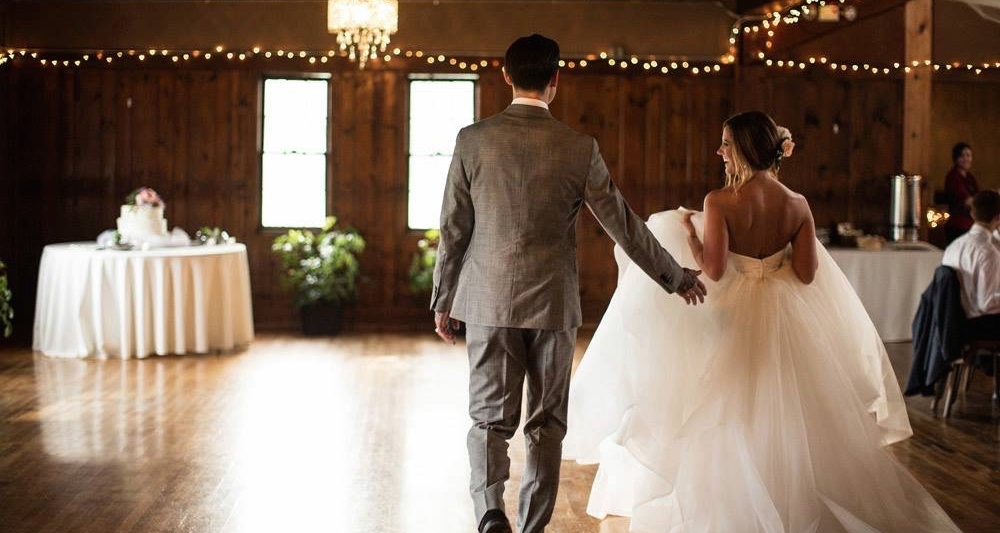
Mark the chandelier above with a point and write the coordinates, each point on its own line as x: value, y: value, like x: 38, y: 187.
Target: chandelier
x: 363, y: 27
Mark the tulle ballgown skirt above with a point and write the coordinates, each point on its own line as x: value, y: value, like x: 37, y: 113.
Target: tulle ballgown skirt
x: 763, y: 410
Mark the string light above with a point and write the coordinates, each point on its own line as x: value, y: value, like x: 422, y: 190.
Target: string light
x: 649, y: 64
x: 782, y: 15
x: 795, y: 12
x: 877, y: 69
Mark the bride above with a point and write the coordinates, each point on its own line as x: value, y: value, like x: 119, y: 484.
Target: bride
x: 766, y: 408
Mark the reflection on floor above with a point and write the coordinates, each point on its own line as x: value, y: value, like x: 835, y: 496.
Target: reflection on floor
x: 360, y: 433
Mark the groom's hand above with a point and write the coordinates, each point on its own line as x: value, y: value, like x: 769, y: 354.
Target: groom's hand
x: 692, y: 289
x: 445, y: 326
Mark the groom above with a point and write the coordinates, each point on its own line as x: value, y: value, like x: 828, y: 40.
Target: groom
x: 506, y: 266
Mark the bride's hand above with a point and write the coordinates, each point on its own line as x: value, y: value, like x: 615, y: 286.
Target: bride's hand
x: 688, y: 225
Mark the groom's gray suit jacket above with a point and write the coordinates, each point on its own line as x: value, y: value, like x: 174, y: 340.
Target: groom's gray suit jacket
x: 507, y: 255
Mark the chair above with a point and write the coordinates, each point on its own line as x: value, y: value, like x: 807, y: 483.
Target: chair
x: 966, y: 366
x: 975, y: 349
x: 940, y: 347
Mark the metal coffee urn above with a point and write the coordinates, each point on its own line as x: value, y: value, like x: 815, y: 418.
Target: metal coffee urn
x: 905, y: 213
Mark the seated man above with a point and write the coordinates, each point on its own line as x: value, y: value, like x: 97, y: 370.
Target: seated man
x: 976, y: 257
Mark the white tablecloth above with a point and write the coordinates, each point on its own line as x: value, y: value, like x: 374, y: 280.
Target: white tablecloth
x: 125, y: 304
x: 889, y: 283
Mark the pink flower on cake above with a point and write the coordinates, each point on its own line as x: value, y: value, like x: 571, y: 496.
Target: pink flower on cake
x: 144, y: 196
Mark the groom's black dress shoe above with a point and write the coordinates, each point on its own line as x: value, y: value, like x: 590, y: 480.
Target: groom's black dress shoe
x: 494, y: 521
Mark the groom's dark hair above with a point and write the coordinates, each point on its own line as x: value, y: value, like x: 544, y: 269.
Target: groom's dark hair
x: 531, y: 62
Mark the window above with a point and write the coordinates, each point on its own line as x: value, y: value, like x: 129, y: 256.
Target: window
x: 439, y: 107
x: 293, y: 162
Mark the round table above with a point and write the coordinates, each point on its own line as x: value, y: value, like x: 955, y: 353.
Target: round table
x: 889, y: 283
x: 95, y: 302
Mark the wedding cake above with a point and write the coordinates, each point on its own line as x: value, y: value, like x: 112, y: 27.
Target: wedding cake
x: 142, y: 217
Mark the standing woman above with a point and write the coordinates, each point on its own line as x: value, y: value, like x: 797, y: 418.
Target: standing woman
x: 767, y: 408
x: 960, y: 186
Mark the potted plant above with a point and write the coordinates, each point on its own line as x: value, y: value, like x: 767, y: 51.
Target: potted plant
x: 422, y: 268
x: 321, y: 270
x: 424, y: 259
x: 6, y: 305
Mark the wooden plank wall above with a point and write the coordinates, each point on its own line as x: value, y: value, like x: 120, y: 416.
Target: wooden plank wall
x: 966, y: 111
x: 79, y: 140
x: 848, y: 139
x: 74, y: 141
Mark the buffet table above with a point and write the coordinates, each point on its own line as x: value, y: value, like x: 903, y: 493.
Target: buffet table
x: 110, y: 303
x: 889, y: 283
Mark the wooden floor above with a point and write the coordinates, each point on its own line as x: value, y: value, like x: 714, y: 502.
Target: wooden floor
x: 353, y: 434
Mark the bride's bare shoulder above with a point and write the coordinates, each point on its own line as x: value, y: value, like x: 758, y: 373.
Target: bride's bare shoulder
x: 791, y: 196
x: 786, y: 189
x: 720, y: 198
x: 796, y: 205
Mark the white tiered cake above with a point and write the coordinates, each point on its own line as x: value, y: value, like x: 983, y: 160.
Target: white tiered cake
x: 141, y: 219
x: 140, y: 222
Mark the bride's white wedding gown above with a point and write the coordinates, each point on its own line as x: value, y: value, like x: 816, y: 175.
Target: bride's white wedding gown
x: 763, y: 410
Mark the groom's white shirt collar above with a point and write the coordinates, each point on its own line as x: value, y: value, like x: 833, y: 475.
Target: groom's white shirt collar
x: 529, y: 101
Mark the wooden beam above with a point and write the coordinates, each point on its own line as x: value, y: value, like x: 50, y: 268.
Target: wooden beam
x: 746, y: 7
x: 697, y: 30
x: 876, y: 26
x: 917, y: 88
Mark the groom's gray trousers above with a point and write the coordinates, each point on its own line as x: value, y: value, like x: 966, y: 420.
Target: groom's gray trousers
x: 500, y: 361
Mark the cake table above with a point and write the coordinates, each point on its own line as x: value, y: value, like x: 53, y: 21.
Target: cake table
x: 108, y: 303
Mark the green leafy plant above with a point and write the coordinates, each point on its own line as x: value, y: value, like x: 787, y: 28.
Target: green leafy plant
x: 6, y: 306
x: 424, y: 259
x: 320, y: 266
x: 213, y: 235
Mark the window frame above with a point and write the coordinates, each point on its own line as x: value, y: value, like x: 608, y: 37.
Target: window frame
x: 427, y: 76
x: 328, y: 181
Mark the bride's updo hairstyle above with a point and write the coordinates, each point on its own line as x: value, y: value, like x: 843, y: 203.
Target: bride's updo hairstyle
x: 756, y: 145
